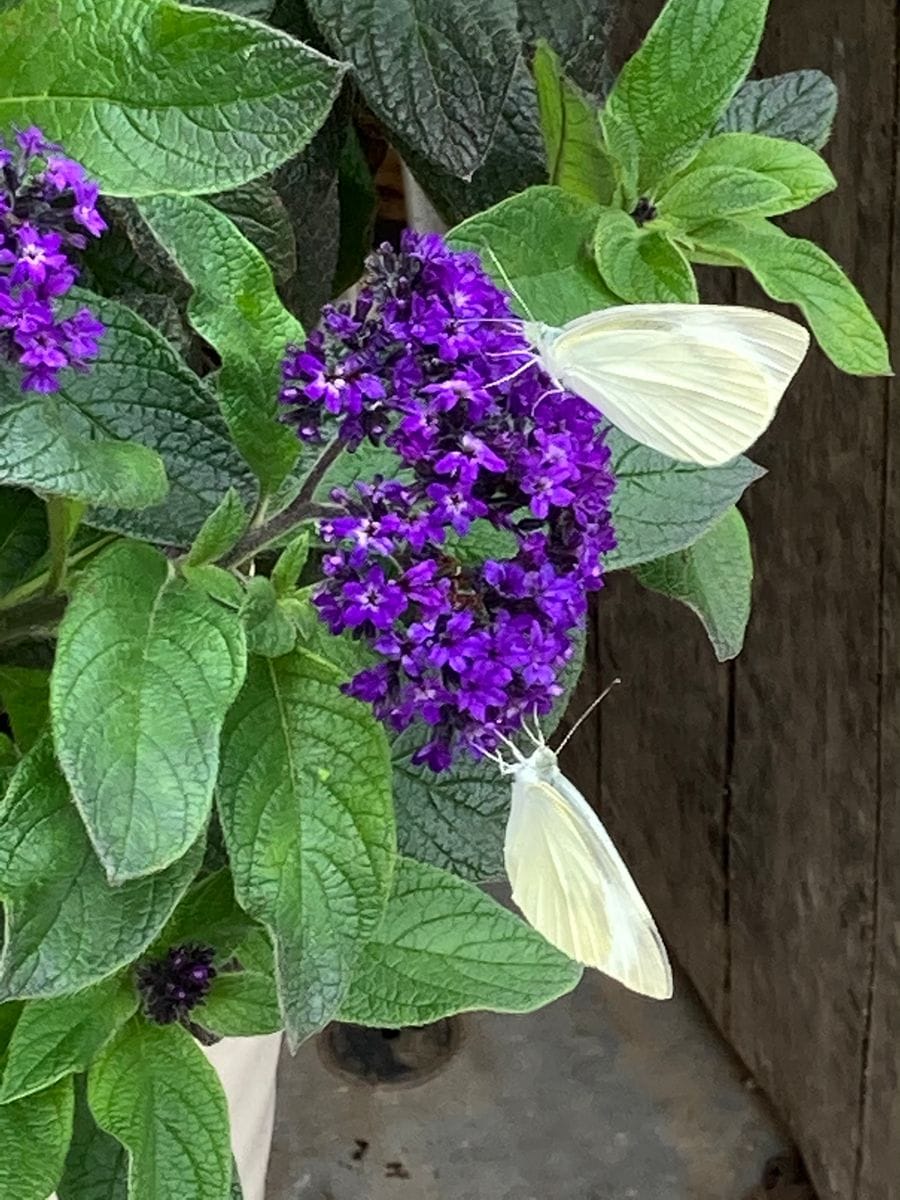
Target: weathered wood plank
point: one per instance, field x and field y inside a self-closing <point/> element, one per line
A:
<point x="879" y="1161"/>
<point x="805" y="781"/>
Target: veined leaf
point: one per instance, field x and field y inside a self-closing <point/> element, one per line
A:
<point x="641" y="265"/>
<point x="96" y="1165"/>
<point x="236" y="309"/>
<point x="576" y="159"/>
<point x="713" y="577"/>
<point x="50" y="878"/>
<point x="262" y="217"/>
<point x="219" y="531"/>
<point x="799" y="106"/>
<point x="55" y="1038"/>
<point x="799" y="272"/>
<point x="34" y="1137"/>
<point x="305" y="804"/>
<point x="436" y="73"/>
<point x="153" y="1090"/>
<point x="703" y="194"/>
<point x="661" y="506"/>
<point x="145" y="671"/>
<point x="538" y="242"/>
<point x="445" y="947"/>
<point x="135" y="83"/>
<point x="241" y="1004"/>
<point x="674" y="89"/>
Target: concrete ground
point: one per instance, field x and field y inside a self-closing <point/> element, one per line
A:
<point x="601" y="1096"/>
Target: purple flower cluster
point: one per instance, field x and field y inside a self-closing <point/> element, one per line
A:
<point x="175" y="984"/>
<point x="48" y="207"/>
<point x="430" y="361"/>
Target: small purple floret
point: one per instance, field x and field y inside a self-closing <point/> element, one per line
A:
<point x="175" y="984"/>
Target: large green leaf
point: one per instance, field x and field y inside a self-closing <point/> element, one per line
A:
<point x="34" y="1138"/>
<point x="799" y="272"/>
<point x="66" y="927"/>
<point x="25" y="697"/>
<point x="154" y="97"/>
<point x="738" y="174"/>
<point x="435" y="72"/>
<point x="305" y="805"/>
<point x="55" y="1038"/>
<point x="800" y="106"/>
<point x="143" y="391"/>
<point x="153" y="1090"/>
<point x="46" y="443"/>
<point x="445" y="947"/>
<point x="713" y="578"/>
<point x="236" y="309"/>
<point x="677" y="85"/>
<point x="570" y="121"/>
<point x="241" y="1004"/>
<point x="209" y="914"/>
<point x="660" y="506"/>
<point x="539" y="242"/>
<point x="145" y="671"/>
<point x="262" y="217"/>
<point x="23" y="535"/>
<point x="96" y="1165"/>
<point x="641" y="265"/>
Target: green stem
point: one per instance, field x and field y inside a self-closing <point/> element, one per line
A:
<point x="39" y="583"/>
<point x="59" y="524"/>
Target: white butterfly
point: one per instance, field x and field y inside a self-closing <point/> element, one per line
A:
<point x="570" y="881"/>
<point x="698" y="382"/>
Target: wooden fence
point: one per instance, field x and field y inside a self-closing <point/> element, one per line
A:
<point x="760" y="802"/>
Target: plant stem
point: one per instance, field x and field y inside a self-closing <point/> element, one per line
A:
<point x="39" y="583"/>
<point x="302" y="508"/>
<point x="59" y="527"/>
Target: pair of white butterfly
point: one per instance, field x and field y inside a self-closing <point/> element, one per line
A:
<point x="699" y="383"/>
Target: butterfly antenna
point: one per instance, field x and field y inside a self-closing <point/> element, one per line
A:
<point x="538" y="735"/>
<point x="584" y="716"/>
<point x="509" y="283"/>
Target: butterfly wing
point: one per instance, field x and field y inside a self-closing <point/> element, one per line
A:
<point x="571" y="884"/>
<point x="697" y="382"/>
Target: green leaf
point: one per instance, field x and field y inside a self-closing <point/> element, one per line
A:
<point x="153" y="1090"/>
<point x="674" y="89"/>
<point x="50" y="878"/>
<point x="34" y="1138"/>
<point x="578" y="32"/>
<point x="219" y="531"/>
<point x="209" y="914"/>
<point x="706" y="193"/>
<point x="270" y="631"/>
<point x="291" y="562"/>
<point x="23" y="535"/>
<point x="435" y="73"/>
<point x="146" y="668"/>
<point x="799" y="272"/>
<point x="640" y="265"/>
<point x="142" y="391"/>
<point x="661" y="506"/>
<point x="236" y="309"/>
<point x="25" y="695"/>
<point x="135" y="83"/>
<point x="445" y="947"/>
<point x="262" y="217"/>
<point x="261" y="9"/>
<point x="713" y="578"/>
<point x="799" y="106"/>
<point x="241" y="1004"/>
<point x="55" y="1038"/>
<point x="541" y="240"/>
<point x="747" y="174"/>
<point x="46" y="444"/>
<point x="576" y="159"/>
<point x="216" y="582"/>
<point x="96" y="1165"/>
<point x="305" y="804"/>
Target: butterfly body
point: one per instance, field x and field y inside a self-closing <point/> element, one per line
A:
<point x="698" y="382"/>
<point x="571" y="883"/>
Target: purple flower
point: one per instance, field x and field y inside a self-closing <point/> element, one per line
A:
<point x="424" y="360"/>
<point x="175" y="984"/>
<point x="46" y="206"/>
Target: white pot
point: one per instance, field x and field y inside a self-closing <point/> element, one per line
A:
<point x="247" y="1068"/>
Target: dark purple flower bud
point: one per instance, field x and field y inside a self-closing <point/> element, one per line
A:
<point x="175" y="984"/>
